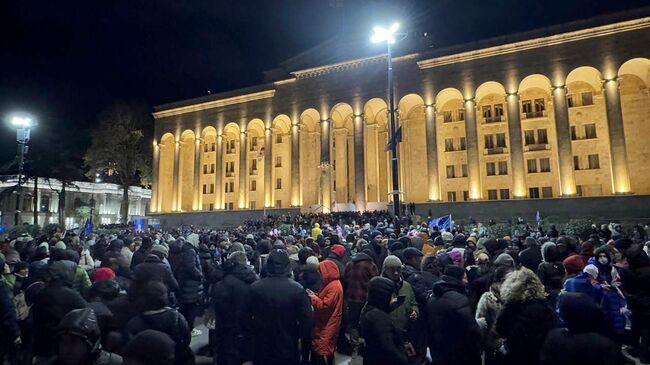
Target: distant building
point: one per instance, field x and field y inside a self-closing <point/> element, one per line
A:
<point x="107" y="198"/>
<point x="559" y="112"/>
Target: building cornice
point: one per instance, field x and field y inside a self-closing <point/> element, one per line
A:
<point x="239" y="99"/>
<point x="536" y="43"/>
<point x="346" y="65"/>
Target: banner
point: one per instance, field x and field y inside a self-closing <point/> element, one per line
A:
<point x="88" y="227"/>
<point x="443" y="223"/>
<point x="394" y="140"/>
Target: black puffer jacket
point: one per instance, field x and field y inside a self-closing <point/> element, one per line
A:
<point x="454" y="337"/>
<point x="636" y="283"/>
<point x="281" y="314"/>
<point x="231" y="299"/>
<point x="421" y="284"/>
<point x="52" y="304"/>
<point x="384" y="345"/>
<point x="170" y="322"/>
<point x="153" y="269"/>
<point x="189" y="275"/>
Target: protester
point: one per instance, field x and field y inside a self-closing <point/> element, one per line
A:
<point x="328" y="312"/>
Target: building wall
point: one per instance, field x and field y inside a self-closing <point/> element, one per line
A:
<point x="491" y="120"/>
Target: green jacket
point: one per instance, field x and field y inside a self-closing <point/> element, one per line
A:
<point x="401" y="314"/>
<point x="81" y="280"/>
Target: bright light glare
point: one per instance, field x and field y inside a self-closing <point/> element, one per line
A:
<point x="382" y="34"/>
<point x="24" y="122"/>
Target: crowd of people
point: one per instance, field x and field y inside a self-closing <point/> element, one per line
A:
<point x="300" y="289"/>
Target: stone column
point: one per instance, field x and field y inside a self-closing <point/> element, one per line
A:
<point x="176" y="202"/>
<point x="218" y="173"/>
<point x="197" y="193"/>
<point x="325" y="165"/>
<point x="620" y="173"/>
<point x="295" y="165"/>
<point x="473" y="168"/>
<point x="565" y="155"/>
<point x="432" y="152"/>
<point x="268" y="168"/>
<point x="359" y="164"/>
<point x="243" y="189"/>
<point x="516" y="146"/>
<point x="155" y="202"/>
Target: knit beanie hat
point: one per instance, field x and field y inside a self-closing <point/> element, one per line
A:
<point x="60" y="245"/>
<point x="237" y="257"/>
<point x="455" y="272"/>
<point x="236" y="246"/>
<point x="573" y="264"/>
<point x="151" y="347"/>
<point x="391" y="261"/>
<point x="312" y="260"/>
<point x="103" y="273"/>
<point x="447" y="236"/>
<point x="592" y="270"/>
<point x="160" y="249"/>
<point x="504" y="260"/>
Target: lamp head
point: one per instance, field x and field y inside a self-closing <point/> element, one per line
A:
<point x="22" y="122"/>
<point x="381" y="34"/>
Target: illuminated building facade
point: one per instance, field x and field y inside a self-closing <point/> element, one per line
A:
<point x="560" y="112"/>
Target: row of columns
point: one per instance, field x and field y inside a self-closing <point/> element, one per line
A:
<point x="620" y="174"/>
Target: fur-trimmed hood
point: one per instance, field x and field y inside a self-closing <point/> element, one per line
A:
<point x="521" y="286"/>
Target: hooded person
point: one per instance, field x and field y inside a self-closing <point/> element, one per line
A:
<point x="613" y="300"/>
<point x="281" y="316"/>
<point x="531" y="257"/>
<point x="551" y="271"/>
<point x="153" y="269"/>
<point x="454" y="336"/>
<point x="150" y="347"/>
<point x="52" y="303"/>
<point x="525" y="317"/>
<point x="189" y="274"/>
<point x="78" y="341"/>
<point x="231" y="301"/>
<point x="316" y="231"/>
<point x="157" y="315"/>
<point x="337" y="255"/>
<point x="358" y="273"/>
<point x="384" y="345"/>
<point x="488" y="308"/>
<point x="637" y="286"/>
<point x="328" y="313"/>
<point x="584" y="340"/>
<point x="142" y="252"/>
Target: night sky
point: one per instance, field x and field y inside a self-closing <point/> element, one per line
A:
<point x="64" y="61"/>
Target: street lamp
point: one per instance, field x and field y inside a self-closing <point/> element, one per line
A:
<point x="23" y="125"/>
<point x="388" y="35"/>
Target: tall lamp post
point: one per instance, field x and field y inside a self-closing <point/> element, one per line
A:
<point x="388" y="35"/>
<point x="23" y="126"/>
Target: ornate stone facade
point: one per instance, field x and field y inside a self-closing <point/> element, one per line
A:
<point x="560" y="112"/>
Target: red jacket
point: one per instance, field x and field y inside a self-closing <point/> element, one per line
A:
<point x="328" y="310"/>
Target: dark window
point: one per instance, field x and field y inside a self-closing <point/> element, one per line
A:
<point x="205" y="169"/>
<point x="253" y="143"/>
<point x="529" y="137"/>
<point x="253" y="185"/>
<point x="490" y="168"/>
<point x="590" y="131"/>
<point x="447" y="118"/>
<point x="278" y="183"/>
<point x="532" y="165"/>
<point x="544" y="165"/>
<point x="451" y="196"/>
<point x="205" y="189"/>
<point x="463" y="144"/>
<point x="569" y="101"/>
<point x="278" y="138"/>
<point x="542" y="136"/>
<point x="461" y="115"/>
<point x="501" y="140"/>
<point x="211" y="188"/>
<point x="252" y="205"/>
<point x="533" y="193"/>
<point x="464" y="170"/>
<point x="579" y="190"/>
<point x="503" y="168"/>
<point x="449" y="144"/>
<point x="489" y="141"/>
<point x="465" y="195"/>
<point x="278" y="161"/>
<point x="450" y="171"/>
<point x="587" y="98"/>
<point x="576" y="163"/>
<point x="213" y="147"/>
<point x="594" y="163"/>
<point x="547" y="192"/>
<point x="487" y="111"/>
<point x="527" y="107"/>
<point x="574" y="135"/>
<point x="539" y="105"/>
<point x="498" y="110"/>
<point x="253" y="165"/>
<point x="492" y="194"/>
<point x="504" y="194"/>
<point x="278" y="203"/>
<point x="45" y="204"/>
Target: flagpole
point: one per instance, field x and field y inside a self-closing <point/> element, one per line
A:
<point x="393" y="149"/>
